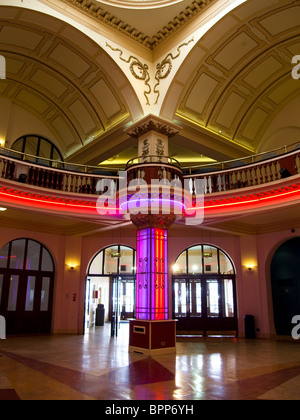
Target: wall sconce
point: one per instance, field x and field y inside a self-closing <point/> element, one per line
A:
<point x="250" y="267"/>
<point x="175" y="268"/>
<point x="2" y="142"/>
<point x="72" y="267"/>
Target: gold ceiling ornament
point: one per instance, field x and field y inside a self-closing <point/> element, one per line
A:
<point x="137" y="69"/>
<point x="164" y="68"/>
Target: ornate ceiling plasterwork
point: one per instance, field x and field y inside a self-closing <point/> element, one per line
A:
<point x="141" y="71"/>
<point x="93" y="8"/>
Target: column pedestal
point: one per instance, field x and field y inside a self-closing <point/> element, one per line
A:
<point x="152" y="337"/>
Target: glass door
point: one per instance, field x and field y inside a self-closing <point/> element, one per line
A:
<point x="116" y="306"/>
<point x="205" y="303"/>
<point x="127" y="298"/>
<point x="26" y="302"/>
<point x="213" y="298"/>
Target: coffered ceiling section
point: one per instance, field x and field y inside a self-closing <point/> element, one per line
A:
<point x="240" y="75"/>
<point x="57" y="73"/>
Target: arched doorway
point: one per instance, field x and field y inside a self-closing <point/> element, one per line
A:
<point x="285" y="281"/>
<point x="26" y="286"/>
<point x="111" y="282"/>
<point x="204" y="295"/>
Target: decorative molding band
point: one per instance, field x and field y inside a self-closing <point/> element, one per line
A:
<point x="92" y="8"/>
<point x="137" y="69"/>
<point x="141" y="71"/>
<point x="164" y="68"/>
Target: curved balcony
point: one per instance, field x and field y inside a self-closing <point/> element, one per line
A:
<point x="238" y="174"/>
<point x="54" y="175"/>
<point x="83" y="179"/>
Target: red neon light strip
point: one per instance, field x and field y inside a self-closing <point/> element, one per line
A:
<point x="51" y="203"/>
<point x="42" y="200"/>
<point x="162" y="270"/>
<point x="159" y="274"/>
<point x="240" y="202"/>
<point x="158" y="256"/>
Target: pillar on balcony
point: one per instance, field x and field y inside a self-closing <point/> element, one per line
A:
<point x="153" y="134"/>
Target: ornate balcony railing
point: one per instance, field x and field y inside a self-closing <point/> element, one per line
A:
<point x="250" y="175"/>
<point x="61" y="176"/>
<point x="82" y="179"/>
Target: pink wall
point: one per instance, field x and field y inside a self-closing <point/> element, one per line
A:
<point x="253" y="288"/>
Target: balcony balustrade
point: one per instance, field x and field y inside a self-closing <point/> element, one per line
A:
<point x="251" y="175"/>
<point x="79" y="179"/>
<point x="59" y="176"/>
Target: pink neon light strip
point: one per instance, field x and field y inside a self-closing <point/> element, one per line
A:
<point x="231" y="204"/>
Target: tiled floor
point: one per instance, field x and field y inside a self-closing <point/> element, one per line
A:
<point x="96" y="366"/>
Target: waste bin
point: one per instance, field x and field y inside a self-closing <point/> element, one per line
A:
<point x="100" y="315"/>
<point x="249" y="326"/>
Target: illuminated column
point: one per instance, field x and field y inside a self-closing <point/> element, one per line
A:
<point x="152" y="274"/>
<point x="153" y="204"/>
<point x="152" y="332"/>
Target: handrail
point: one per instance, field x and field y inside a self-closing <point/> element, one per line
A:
<point x="58" y="179"/>
<point x="243" y="176"/>
<point x="235" y="163"/>
<point x="65" y="179"/>
<point x="227" y="164"/>
<point x="244" y="166"/>
<point x="51" y="163"/>
<point x="159" y="159"/>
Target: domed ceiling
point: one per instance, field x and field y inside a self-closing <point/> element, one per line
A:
<point x="232" y="95"/>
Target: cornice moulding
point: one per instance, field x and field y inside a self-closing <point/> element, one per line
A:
<point x="94" y="10"/>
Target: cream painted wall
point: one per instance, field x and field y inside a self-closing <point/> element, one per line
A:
<point x="284" y="128"/>
<point x="16" y="122"/>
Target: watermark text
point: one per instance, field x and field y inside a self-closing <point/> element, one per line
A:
<point x="2" y="328"/>
<point x="159" y="197"/>
<point x="2" y="67"/>
<point x="296" y="329"/>
<point x="296" y="69"/>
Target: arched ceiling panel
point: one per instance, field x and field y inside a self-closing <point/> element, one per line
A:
<point x="61" y="76"/>
<point x="238" y="77"/>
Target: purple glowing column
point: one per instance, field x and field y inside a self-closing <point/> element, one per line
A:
<point x="152" y="276"/>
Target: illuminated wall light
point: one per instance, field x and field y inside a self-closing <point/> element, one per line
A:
<point x="2" y="142"/>
<point x="72" y="267"/>
<point x="3" y="208"/>
<point x="250" y="266"/>
<point x="175" y="268"/>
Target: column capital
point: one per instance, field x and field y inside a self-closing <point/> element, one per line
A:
<point x="152" y="123"/>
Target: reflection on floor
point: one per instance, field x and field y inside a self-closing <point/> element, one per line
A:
<point x="97" y="366"/>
